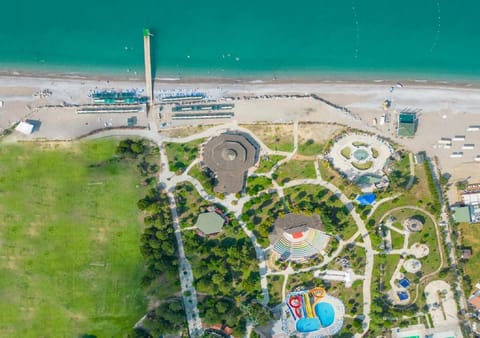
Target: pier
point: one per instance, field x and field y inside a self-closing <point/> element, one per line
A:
<point x="148" y="69"/>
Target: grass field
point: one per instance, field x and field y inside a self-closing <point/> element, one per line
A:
<point x="267" y="162"/>
<point x="397" y="240"/>
<point x="470" y="238"/>
<point x="331" y="175"/>
<point x="255" y="184"/>
<point x="275" y="283"/>
<point x="294" y="170"/>
<point x="427" y="236"/>
<point x="310" y="148"/>
<point x="362" y="166"/>
<point x="69" y="240"/>
<point x="275" y="136"/>
<point x="180" y="155"/>
<point x="189" y="203"/>
<point x="202" y="177"/>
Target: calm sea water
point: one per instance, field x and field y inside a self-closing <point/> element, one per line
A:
<point x="313" y="38"/>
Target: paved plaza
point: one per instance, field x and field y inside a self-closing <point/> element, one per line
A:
<point x="357" y="155"/>
<point x="441" y="303"/>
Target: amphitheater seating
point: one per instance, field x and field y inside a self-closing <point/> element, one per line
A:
<point x="312" y="243"/>
<point x="282" y="247"/>
<point x="318" y="239"/>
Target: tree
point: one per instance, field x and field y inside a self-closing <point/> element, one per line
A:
<point x="139" y="333"/>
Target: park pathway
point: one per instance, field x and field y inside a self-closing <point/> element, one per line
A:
<point x="189" y="293"/>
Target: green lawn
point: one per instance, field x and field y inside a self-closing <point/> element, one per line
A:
<point x="205" y="180"/>
<point x="267" y="162"/>
<point x="255" y="184"/>
<point x="189" y="203"/>
<point x="70" y="235"/>
<point x="362" y="166"/>
<point x="180" y="155"/>
<point x="426" y="236"/>
<point x="471" y="239"/>
<point x="397" y="240"/>
<point x="329" y="174"/>
<point x="293" y="170"/>
<point x="275" y="283"/>
<point x="310" y="148"/>
<point x="346" y="152"/>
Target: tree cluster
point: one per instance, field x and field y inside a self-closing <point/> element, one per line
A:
<point x="169" y="317"/>
<point x="158" y="245"/>
<point x="435" y="206"/>
<point x="131" y="148"/>
<point x="224" y="266"/>
<point x="260" y="215"/>
<point x="333" y="213"/>
<point x="222" y="311"/>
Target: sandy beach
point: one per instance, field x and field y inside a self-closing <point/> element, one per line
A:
<point x="444" y="109"/>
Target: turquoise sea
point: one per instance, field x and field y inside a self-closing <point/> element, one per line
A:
<point x="418" y="39"/>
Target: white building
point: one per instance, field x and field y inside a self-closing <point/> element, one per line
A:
<point x="471" y="198"/>
<point x="25" y="128"/>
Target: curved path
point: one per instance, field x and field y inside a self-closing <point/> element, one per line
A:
<point x="440" y="249"/>
<point x="432" y="217"/>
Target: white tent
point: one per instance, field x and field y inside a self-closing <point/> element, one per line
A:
<point x="25" y="128"/>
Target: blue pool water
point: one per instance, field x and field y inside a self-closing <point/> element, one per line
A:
<point x="326" y="313"/>
<point x="308" y="324"/>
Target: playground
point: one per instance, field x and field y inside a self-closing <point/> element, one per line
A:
<point x="315" y="313"/>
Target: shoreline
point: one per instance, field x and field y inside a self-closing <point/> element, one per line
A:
<point x="231" y="81"/>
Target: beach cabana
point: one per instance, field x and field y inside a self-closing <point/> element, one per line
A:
<point x="366" y="199"/>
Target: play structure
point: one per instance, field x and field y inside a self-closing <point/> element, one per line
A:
<point x="315" y="312"/>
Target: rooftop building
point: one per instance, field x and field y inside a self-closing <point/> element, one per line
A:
<point x="407" y="124"/>
<point x="298" y="237"/>
<point x="475" y="301"/>
<point x="229" y="156"/>
<point x="210" y="223"/>
<point x="462" y="214"/>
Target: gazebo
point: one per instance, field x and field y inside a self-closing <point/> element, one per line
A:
<point x="210" y="223"/>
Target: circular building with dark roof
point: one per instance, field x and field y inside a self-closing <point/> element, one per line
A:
<point x="229" y="156"/>
<point x="298" y="237"/>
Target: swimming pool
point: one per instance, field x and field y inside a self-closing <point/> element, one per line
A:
<point x="325" y="312"/>
<point x="368" y="179"/>
<point x="308" y="324"/>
